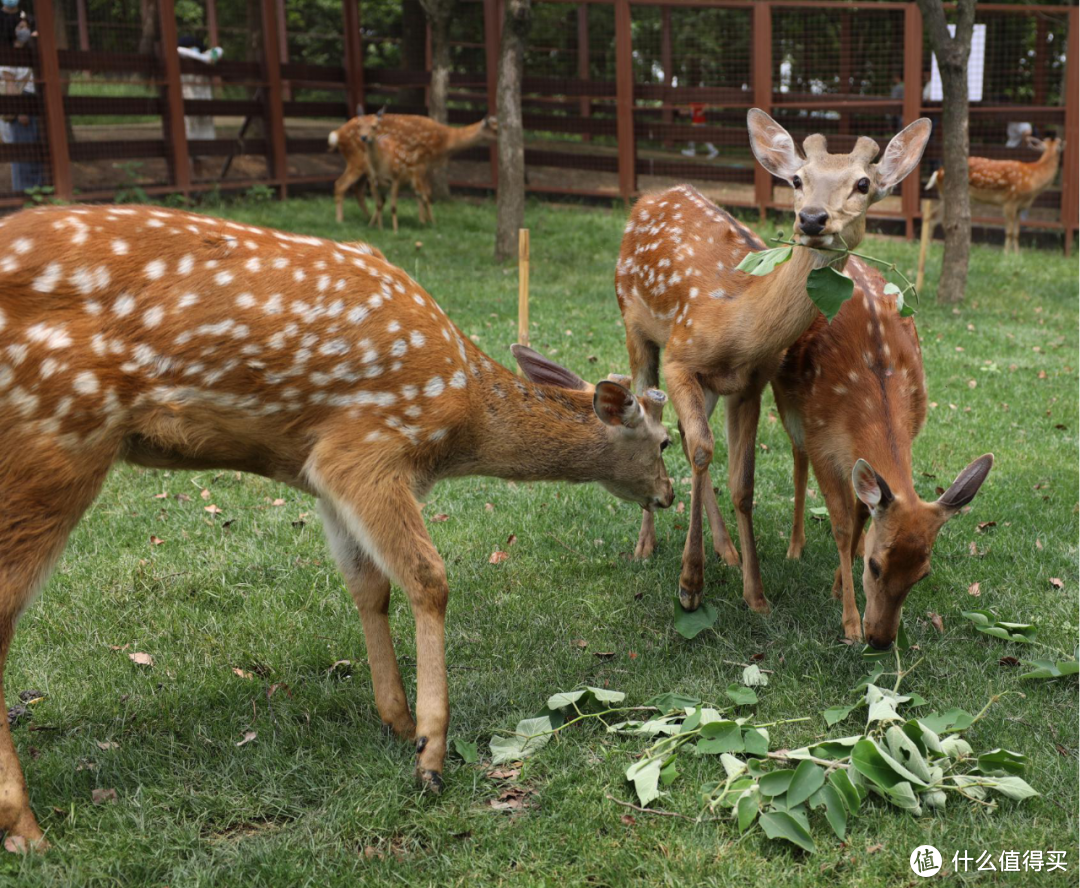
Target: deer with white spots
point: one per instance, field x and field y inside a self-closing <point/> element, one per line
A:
<point x="852" y="396"/>
<point x="1012" y="185"/>
<point x="723" y="331"/>
<point x="401" y="149"/>
<point x="173" y="340"/>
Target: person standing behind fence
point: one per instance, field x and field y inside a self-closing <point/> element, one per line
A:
<point x="22" y="129"/>
<point x="10" y="17"/>
<point x="198" y="86"/>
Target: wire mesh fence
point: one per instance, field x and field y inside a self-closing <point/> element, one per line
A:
<point x="117" y="100"/>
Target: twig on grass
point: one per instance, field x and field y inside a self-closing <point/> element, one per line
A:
<point x="658" y="812"/>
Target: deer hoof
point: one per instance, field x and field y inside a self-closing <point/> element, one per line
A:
<point x="430" y="781"/>
<point x="690" y="600"/>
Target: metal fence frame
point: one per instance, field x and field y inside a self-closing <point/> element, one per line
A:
<point x="273" y="103"/>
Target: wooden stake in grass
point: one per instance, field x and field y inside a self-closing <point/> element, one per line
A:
<point x="523" y="286"/>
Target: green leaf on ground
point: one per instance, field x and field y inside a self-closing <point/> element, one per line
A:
<point x="741" y="696"/>
<point x="467" y="751"/>
<point x="690" y="624"/>
<point x="753" y="677"/>
<point x="988" y="624"/>
<point x="1050" y="669"/>
<point x="781" y="825"/>
<point x="524" y="742"/>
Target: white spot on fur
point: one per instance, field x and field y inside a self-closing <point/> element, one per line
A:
<point x="86" y="383"/>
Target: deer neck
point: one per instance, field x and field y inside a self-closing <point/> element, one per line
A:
<point x="776" y="306"/>
<point x="1046" y="167"/>
<point x="461" y="138"/>
<point x="529" y="432"/>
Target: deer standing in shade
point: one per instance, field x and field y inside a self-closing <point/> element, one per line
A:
<point x="173" y="340"/>
<point x="852" y="397"/>
<point x="1012" y="185"/>
<point x="402" y="149"/>
<point x="724" y="332"/>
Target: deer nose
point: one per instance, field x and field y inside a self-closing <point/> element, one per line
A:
<point x="878" y="645"/>
<point x="812" y="221"/>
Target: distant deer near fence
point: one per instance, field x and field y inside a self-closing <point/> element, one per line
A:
<point x="1012" y="185"/>
<point x="401" y="149"/>
<point x="723" y="331"/>
<point x="173" y="340"/>
<point x="852" y="396"/>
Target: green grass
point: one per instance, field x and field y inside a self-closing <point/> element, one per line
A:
<point x="255" y="589"/>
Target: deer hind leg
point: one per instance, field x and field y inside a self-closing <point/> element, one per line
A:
<point x="382" y="515"/>
<point x="359" y="192"/>
<point x="370" y="589"/>
<point x="422" y="186"/>
<point x="341" y="187"/>
<point x="722" y="544"/>
<point x="394" y="187"/>
<point x="742" y="420"/>
<point x="798" y="525"/>
<point x="376" y="195"/>
<point x="37" y="517"/>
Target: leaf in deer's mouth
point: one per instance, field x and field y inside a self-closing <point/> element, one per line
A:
<point x="762" y="262"/>
<point x="828" y="290"/>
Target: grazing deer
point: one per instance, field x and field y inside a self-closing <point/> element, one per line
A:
<point x="724" y="331"/>
<point x="852" y="396"/>
<point x="1010" y="184"/>
<point x="402" y="148"/>
<point x="347" y="142"/>
<point x="173" y="340"/>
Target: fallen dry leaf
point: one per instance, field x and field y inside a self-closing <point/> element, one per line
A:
<point x="580" y="642"/>
<point x="1042" y="374"/>
<point x="1057" y="583"/>
<point x="373" y="853"/>
<point x="628" y="819"/>
<point x="276" y="686"/>
<point x="504" y="773"/>
<point x="1061" y="750"/>
<point x="974" y="589"/>
<point x="604" y="655"/>
<point x="1038" y="545"/>
<point x="515" y="798"/>
<point x="442" y="516"/>
<point x="205" y="494"/>
<point x="161" y="496"/>
<point x="278" y="502"/>
<point x="238" y="671"/>
<point x="107" y="744"/>
<point x="101" y="796"/>
<point x="498" y="556"/>
<point x="873" y="849"/>
<point x="983" y="526"/>
<point x="1008" y="661"/>
<point x="156" y="540"/>
<point x="248" y="737"/>
<point x="489" y="507"/>
<point x="510" y="540"/>
<point x="936" y="621"/>
<point x="141" y="659"/>
<point x="212" y="509"/>
<point x="680" y="508"/>
<point x="116" y="647"/>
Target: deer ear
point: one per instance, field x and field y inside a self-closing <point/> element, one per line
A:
<point x="870" y="487"/>
<point x="772" y="145"/>
<point x="616" y="405"/>
<point x="545" y="372"/>
<point x="901" y="156"/>
<point x="966" y="485"/>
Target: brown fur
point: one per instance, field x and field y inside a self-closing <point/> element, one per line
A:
<point x="170" y="339"/>
<point x="723" y="331"/>
<point x="401" y="149"/>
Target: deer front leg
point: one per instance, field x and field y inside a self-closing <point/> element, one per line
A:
<point x="394" y="186"/>
<point x="844" y="516"/>
<point x="646" y="542"/>
<point x="742" y="420"/>
<point x="381" y="513"/>
<point x="370" y="590"/>
<point x="721" y="541"/>
<point x="688" y="399"/>
<point x="798" y="524"/>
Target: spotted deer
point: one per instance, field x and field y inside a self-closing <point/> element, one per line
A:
<point x="347" y="142"/>
<point x="402" y="149"/>
<point x="1012" y="185"/>
<point x="173" y="340"/>
<point x="852" y="396"/>
<point x="724" y="332"/>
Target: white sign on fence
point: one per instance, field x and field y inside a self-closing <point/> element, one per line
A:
<point x="976" y="63"/>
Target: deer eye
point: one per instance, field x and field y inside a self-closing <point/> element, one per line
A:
<point x="796" y="182"/>
<point x="863" y="185"/>
<point x="664" y="444"/>
<point x="875" y="568"/>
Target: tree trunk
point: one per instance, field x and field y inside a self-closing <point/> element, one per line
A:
<point x="148" y="13"/>
<point x="511" y="188"/>
<point x="413" y="52"/>
<point x="438" y="13"/>
<point x="952" y="55"/>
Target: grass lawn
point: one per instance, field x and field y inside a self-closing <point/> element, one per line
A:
<point x="320" y="797"/>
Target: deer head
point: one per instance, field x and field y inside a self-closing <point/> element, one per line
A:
<point x="900" y="539"/>
<point x="834" y="191"/>
<point x="489" y="129"/>
<point x="630" y="457"/>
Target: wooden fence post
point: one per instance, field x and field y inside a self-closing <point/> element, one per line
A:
<point x="492" y="29"/>
<point x="585" y="102"/>
<point x="354" y="56"/>
<point x="49" y="87"/>
<point x="523" y="286"/>
<point x="273" y="99"/>
<point x="667" y="115"/>
<point x="1069" y="198"/>
<point x="913" y="53"/>
<point x="175" y="134"/>
<point x="624" y="100"/>
<point x="762" y="56"/>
